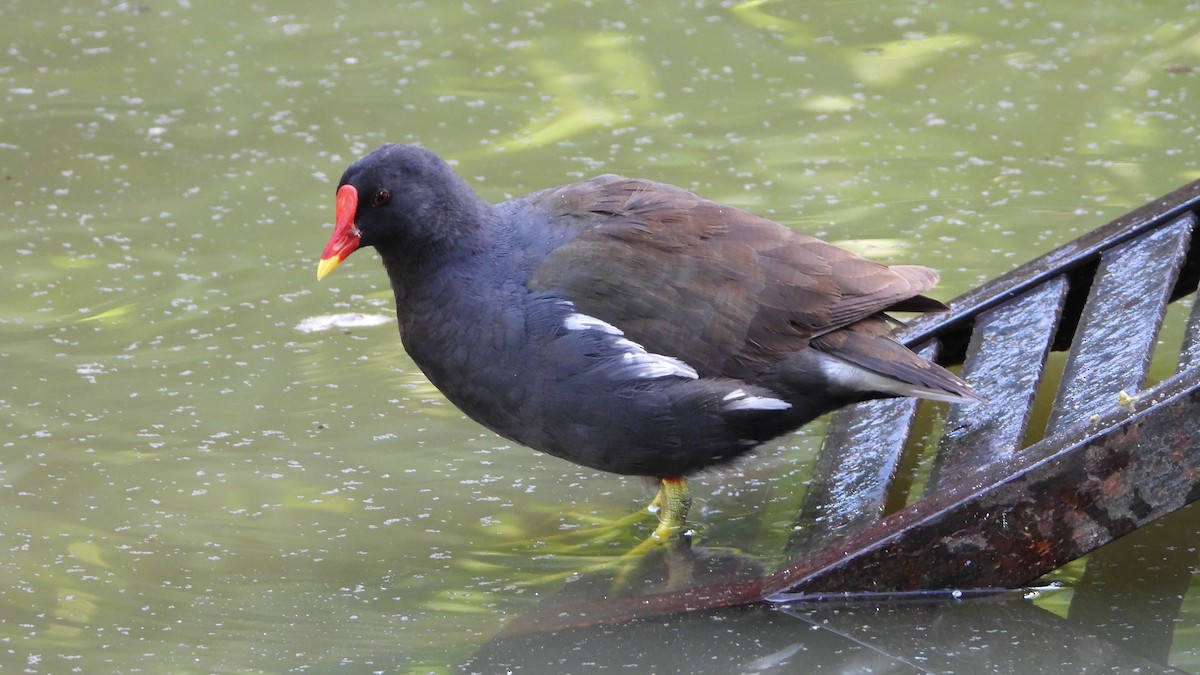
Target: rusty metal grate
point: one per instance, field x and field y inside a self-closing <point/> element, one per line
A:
<point x="995" y="511"/>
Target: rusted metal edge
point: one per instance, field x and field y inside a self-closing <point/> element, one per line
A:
<point x="1122" y="471"/>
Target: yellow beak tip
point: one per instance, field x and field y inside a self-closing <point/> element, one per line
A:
<point x="326" y="266"/>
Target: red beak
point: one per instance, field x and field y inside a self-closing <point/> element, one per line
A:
<point x="345" y="237"/>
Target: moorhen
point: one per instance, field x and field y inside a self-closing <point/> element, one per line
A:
<point x="626" y="325"/>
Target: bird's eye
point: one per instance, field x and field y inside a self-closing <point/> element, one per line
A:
<point x="381" y="198"/>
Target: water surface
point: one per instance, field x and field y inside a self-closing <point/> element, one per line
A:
<point x="189" y="481"/>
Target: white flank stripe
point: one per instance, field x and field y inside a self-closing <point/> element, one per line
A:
<point x="577" y="321"/>
<point x="756" y="403"/>
<point x="642" y="364"/>
<point x="652" y="366"/>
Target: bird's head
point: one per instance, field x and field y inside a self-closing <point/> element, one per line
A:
<point x="399" y="198"/>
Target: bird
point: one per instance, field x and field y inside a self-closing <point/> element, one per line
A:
<point x="627" y="325"/>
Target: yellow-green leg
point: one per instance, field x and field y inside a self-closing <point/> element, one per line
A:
<point x="671" y="504"/>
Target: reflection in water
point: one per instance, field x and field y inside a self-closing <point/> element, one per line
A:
<point x="1103" y="623"/>
<point x="1003" y="635"/>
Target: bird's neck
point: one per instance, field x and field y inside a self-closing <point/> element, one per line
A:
<point x="435" y="281"/>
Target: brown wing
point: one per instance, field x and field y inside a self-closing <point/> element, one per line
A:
<point x="728" y="292"/>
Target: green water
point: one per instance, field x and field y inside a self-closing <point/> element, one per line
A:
<point x="189" y="483"/>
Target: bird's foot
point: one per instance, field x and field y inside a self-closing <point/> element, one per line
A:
<point x="587" y="548"/>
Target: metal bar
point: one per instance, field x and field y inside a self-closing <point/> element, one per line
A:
<point x="1005" y="359"/>
<point x="1189" y="355"/>
<point x="1120" y="324"/>
<point x="854" y="470"/>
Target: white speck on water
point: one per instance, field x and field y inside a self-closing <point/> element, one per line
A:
<point x="89" y="371"/>
<point x="314" y="324"/>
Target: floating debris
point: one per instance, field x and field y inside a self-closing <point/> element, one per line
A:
<point x="314" y="324"/>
